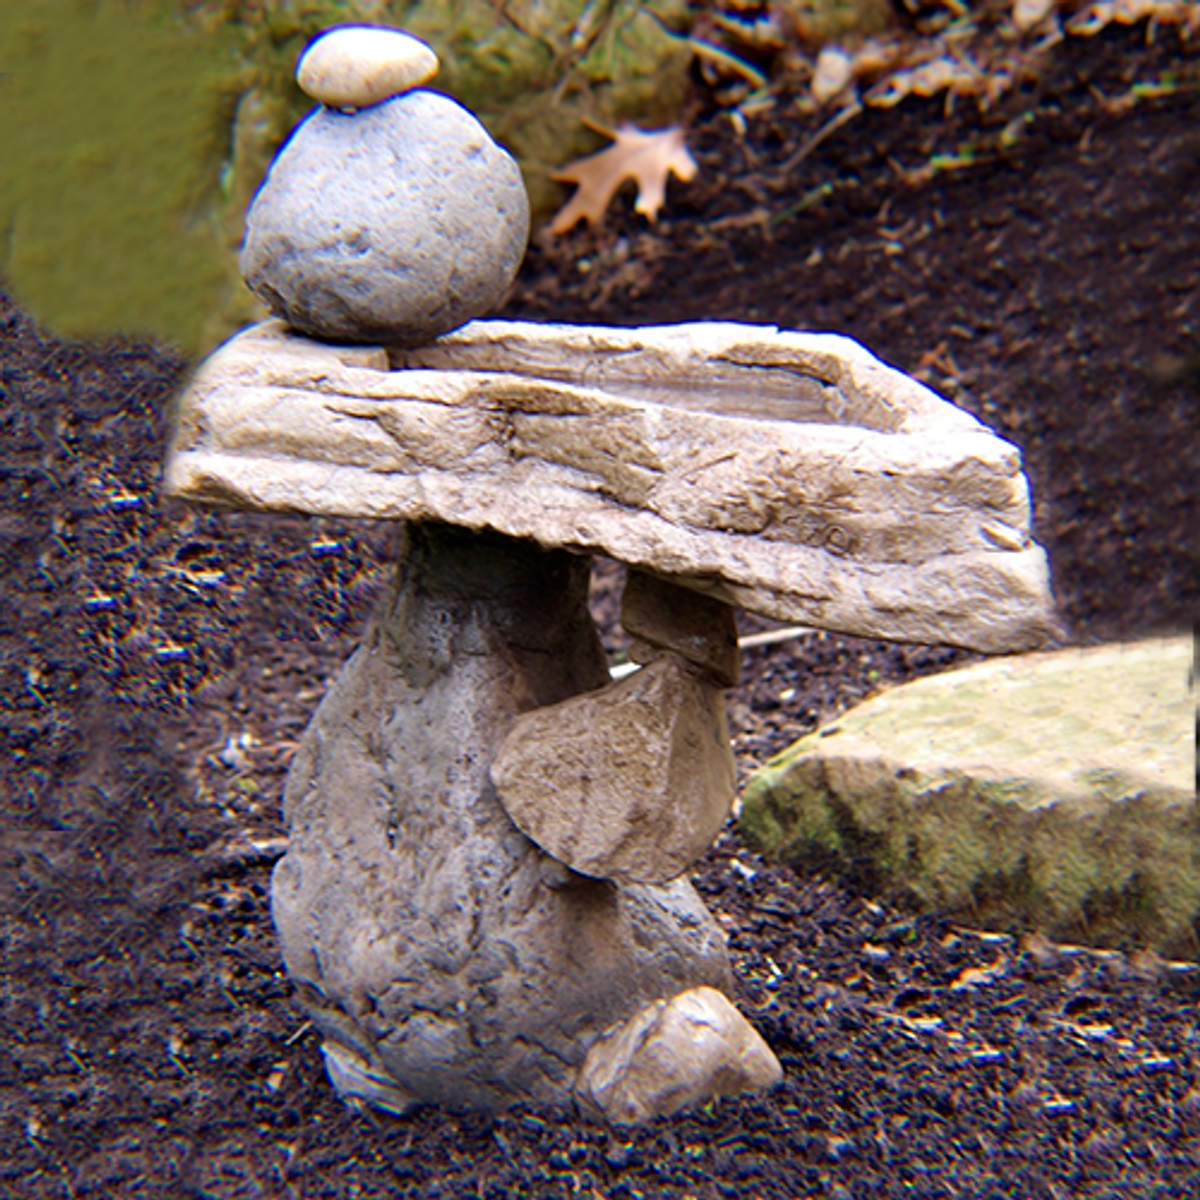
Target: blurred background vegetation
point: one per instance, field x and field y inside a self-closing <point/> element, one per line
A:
<point x="133" y="133"/>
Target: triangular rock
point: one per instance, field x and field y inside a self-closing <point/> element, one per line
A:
<point x="632" y="781"/>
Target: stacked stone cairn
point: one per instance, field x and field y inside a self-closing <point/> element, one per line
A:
<point x="389" y="216"/>
<point x="484" y="900"/>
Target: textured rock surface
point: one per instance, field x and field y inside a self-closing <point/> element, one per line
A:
<point x="673" y="1054"/>
<point x="632" y="781"/>
<point x="354" y="66"/>
<point x="432" y="943"/>
<point x="393" y="224"/>
<point x="665" y="617"/>
<point x="791" y="474"/>
<point x="1055" y="791"/>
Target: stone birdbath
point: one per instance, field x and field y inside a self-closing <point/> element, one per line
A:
<point x="485" y="897"/>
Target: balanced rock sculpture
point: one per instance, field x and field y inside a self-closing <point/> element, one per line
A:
<point x="484" y="899"/>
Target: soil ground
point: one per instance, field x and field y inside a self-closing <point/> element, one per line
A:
<point x="159" y="663"/>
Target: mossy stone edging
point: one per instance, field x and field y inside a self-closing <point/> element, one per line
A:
<point x="1051" y="792"/>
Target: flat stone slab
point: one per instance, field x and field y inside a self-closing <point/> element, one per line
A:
<point x="1053" y="791"/>
<point x="792" y="474"/>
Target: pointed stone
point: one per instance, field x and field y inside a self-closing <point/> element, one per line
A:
<point x="674" y="1054"/>
<point x="362" y="1083"/>
<point x="632" y="781"/>
<point x="699" y="628"/>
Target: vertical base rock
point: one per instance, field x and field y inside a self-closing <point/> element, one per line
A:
<point x="431" y="941"/>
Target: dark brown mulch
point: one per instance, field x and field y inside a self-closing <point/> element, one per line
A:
<point x="157" y="665"/>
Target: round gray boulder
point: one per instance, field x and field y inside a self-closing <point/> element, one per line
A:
<point x="392" y="225"/>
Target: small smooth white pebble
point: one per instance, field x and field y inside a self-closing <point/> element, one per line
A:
<point x="355" y="66"/>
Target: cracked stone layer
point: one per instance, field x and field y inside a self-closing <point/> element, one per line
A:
<point x="791" y="474"/>
<point x="444" y="956"/>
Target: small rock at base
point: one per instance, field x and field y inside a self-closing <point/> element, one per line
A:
<point x="674" y="1054"/>
<point x="354" y="66"/>
<point x="391" y="226"/>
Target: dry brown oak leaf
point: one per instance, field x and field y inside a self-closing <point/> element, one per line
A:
<point x="647" y="157"/>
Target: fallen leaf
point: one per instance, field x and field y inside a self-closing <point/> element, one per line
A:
<point x="647" y="157"/>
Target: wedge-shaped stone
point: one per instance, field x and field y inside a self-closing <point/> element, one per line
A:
<point x="630" y="782"/>
<point x="360" y="1082"/>
<point x="674" y="1054"/>
<point x="1053" y="791"/>
<point x="665" y="617"/>
<point x="788" y="473"/>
